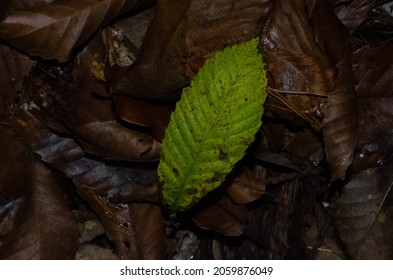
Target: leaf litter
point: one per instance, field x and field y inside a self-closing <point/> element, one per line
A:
<point x="329" y="104"/>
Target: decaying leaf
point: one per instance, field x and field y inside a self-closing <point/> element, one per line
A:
<point x="193" y="28"/>
<point x="155" y="116"/>
<point x="223" y="216"/>
<point x="79" y="104"/>
<point x="373" y="71"/>
<point x="340" y="123"/>
<point x="296" y="63"/>
<point x="52" y="30"/>
<point x="42" y="225"/>
<point x="353" y="14"/>
<point x="213" y="124"/>
<point x="149" y="226"/>
<point x="363" y="214"/>
<point x="99" y="184"/>
<point x="245" y="188"/>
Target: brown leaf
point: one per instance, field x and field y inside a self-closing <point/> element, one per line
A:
<point x="112" y="140"/>
<point x="363" y="214"/>
<point x="354" y="13"/>
<point x="46" y="228"/>
<point x="102" y="186"/>
<point x="13" y="68"/>
<point x="53" y="30"/>
<point x="124" y="38"/>
<point x="245" y="188"/>
<point x="320" y="52"/>
<point x="64" y="154"/>
<point x="340" y="123"/>
<point x="153" y="115"/>
<point x="41" y="225"/>
<point x="79" y="103"/>
<point x="223" y="216"/>
<point x="148" y="224"/>
<point x="295" y="62"/>
<point x="180" y="32"/>
<point x="373" y="71"/>
<point x="26" y="4"/>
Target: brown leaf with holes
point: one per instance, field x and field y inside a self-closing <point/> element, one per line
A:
<point x="182" y="31"/>
<point x="40" y="223"/>
<point x="53" y="30"/>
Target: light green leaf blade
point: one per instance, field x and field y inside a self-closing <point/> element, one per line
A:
<point x="213" y="124"/>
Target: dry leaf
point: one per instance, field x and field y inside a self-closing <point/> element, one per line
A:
<point x="354" y="13"/>
<point x="149" y="227"/>
<point x="340" y="122"/>
<point x="296" y="63"/>
<point x="193" y="28"/>
<point x="42" y="225"/>
<point x="363" y="214"/>
<point x="99" y="184"/>
<point x="53" y="30"/>
<point x="223" y="216"/>
<point x="140" y="112"/>
<point x="373" y="71"/>
<point x="245" y="188"/>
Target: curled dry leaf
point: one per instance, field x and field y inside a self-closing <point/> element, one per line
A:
<point x="193" y="29"/>
<point x="52" y="30"/>
<point x="41" y="225"/>
<point x="363" y="214"/>
<point x="113" y="140"/>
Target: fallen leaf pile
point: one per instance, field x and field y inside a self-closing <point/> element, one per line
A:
<point x="87" y="89"/>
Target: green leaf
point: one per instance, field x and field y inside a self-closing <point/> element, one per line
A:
<point x="213" y="124"/>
